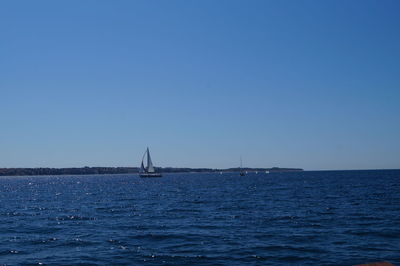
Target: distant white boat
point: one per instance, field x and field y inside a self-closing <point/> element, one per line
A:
<point x="149" y="170"/>
<point x="267" y="172"/>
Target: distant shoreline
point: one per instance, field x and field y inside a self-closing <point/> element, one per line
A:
<point x="126" y="170"/>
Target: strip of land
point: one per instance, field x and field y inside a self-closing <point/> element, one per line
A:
<point x="126" y="170"/>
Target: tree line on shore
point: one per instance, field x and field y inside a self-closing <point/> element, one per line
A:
<point x="123" y="170"/>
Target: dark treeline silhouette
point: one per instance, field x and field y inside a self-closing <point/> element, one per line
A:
<point x="124" y="170"/>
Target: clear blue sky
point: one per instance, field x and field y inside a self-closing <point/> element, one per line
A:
<point x="312" y="84"/>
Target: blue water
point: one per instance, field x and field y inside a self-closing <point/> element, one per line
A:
<point x="305" y="218"/>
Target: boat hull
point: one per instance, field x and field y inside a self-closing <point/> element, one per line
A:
<point x="150" y="175"/>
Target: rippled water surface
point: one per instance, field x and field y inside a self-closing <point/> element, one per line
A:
<point x="305" y="218"/>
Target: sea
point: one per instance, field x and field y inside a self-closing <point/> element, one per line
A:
<point x="287" y="218"/>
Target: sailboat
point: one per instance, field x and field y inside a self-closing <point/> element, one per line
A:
<point x="149" y="170"/>
<point x="241" y="171"/>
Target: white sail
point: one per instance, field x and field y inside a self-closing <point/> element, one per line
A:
<point x="150" y="167"/>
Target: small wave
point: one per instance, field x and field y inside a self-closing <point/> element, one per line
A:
<point x="293" y="259"/>
<point x="383" y="234"/>
<point x="77" y="242"/>
<point x="183" y="210"/>
<point x="12" y="252"/>
<point x="42" y="241"/>
<point x="72" y="217"/>
<point x="283" y="218"/>
<point x="290" y="248"/>
<point x="160" y="237"/>
<point x="208" y="227"/>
